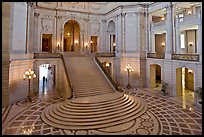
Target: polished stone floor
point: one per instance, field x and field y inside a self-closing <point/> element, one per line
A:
<point x="164" y="116"/>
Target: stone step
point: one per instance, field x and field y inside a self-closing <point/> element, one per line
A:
<point x="100" y="122"/>
<point x="104" y="102"/>
<point x="94" y="110"/>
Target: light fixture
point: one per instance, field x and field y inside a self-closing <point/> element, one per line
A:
<point x="58" y="46"/>
<point x="163" y="44"/>
<point x="68" y="34"/>
<point x="29" y="74"/>
<point x="27" y="130"/>
<point x="162" y="18"/>
<point x="189" y="12"/>
<point x="129" y="69"/>
<point x="76" y="41"/>
<point x="190" y="44"/>
<point x="86" y="44"/>
<point x="190" y="71"/>
<point x="114" y="44"/>
<point x="107" y="64"/>
<point x="91" y="42"/>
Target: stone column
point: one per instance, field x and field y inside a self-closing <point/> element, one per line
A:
<point x="103" y="36"/>
<point x="111" y="43"/>
<point x="199" y="45"/>
<point x="150" y="34"/>
<point x="178" y="45"/>
<point x="81" y="42"/>
<point x="169" y="37"/>
<point x="152" y="42"/>
<point x="36" y="42"/>
<point x="174" y="28"/>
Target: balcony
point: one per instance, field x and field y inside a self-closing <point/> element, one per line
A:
<point x="185" y="57"/>
<point x="159" y="25"/>
<point x="192" y="19"/>
<point x="155" y="55"/>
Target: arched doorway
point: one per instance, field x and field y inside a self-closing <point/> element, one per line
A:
<point x="185" y="85"/>
<point x="72" y="36"/>
<point x="155" y="76"/>
<point x="46" y="78"/>
<point x="111" y="33"/>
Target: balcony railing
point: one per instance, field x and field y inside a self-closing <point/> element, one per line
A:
<point x="186" y="57"/>
<point x="189" y="17"/>
<point x="161" y="23"/>
<point x="109" y="54"/>
<point x="108" y="75"/>
<point x="155" y="55"/>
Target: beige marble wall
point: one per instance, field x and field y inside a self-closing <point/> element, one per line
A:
<point x="5" y="52"/>
<point x="18" y="87"/>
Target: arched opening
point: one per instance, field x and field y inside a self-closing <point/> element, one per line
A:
<point x="72" y="36"/>
<point x="111" y="33"/>
<point x="46" y="78"/>
<point x="185" y="85"/>
<point x="155" y="76"/>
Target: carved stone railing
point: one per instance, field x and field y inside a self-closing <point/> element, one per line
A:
<point x="186" y="57"/>
<point x="47" y="55"/>
<point x="109" y="54"/>
<point x="161" y="23"/>
<point x="55" y="55"/>
<point x="108" y="75"/>
<point x="155" y="55"/>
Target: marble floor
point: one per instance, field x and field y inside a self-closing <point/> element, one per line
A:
<point x="164" y="116"/>
<point x="97" y="109"/>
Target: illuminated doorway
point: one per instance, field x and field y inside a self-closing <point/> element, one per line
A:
<point x="72" y="36"/>
<point x="185" y="85"/>
<point x="46" y="78"/>
<point x="155" y="76"/>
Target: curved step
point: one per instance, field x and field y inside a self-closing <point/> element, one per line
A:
<point x="67" y="121"/>
<point x="94" y="106"/>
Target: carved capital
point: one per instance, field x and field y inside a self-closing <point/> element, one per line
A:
<point x="36" y="14"/>
<point x="104" y="21"/>
<point x="169" y="6"/>
<point x="31" y="4"/>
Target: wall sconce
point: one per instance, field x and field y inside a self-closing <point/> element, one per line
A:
<point x="86" y="44"/>
<point x="163" y="44"/>
<point x="107" y="64"/>
<point x="91" y="42"/>
<point x="68" y="34"/>
<point x="189" y="12"/>
<point x="162" y="18"/>
<point x="190" y="71"/>
<point x="76" y="41"/>
<point x="58" y="46"/>
<point x="114" y="44"/>
<point x="190" y="44"/>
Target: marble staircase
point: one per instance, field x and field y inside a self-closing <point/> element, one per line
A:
<point x="95" y="103"/>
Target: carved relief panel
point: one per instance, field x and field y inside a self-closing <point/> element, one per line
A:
<point x="95" y="28"/>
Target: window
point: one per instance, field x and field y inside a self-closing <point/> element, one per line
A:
<point x="180" y="17"/>
<point x="182" y="41"/>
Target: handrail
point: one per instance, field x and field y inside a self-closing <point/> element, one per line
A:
<point x="113" y="82"/>
<point x="186" y="57"/>
<point x="56" y="55"/>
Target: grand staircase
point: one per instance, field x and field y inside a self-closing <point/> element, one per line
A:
<point x="95" y="103"/>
